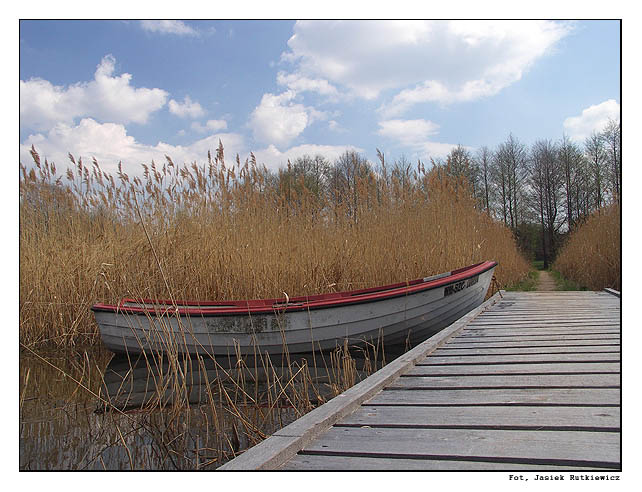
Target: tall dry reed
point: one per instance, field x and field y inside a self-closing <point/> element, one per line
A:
<point x="592" y="254"/>
<point x="220" y="231"/>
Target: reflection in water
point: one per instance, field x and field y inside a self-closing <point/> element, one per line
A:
<point x="158" y="381"/>
<point x="153" y="413"/>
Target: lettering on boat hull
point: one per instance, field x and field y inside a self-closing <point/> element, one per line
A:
<point x="459" y="286"/>
<point x="237" y="324"/>
<point x="247" y="324"/>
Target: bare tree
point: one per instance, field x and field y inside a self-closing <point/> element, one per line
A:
<point x="483" y="162"/>
<point x="460" y="163"/>
<point x="611" y="137"/>
<point x="546" y="184"/>
<point x="596" y="156"/>
<point x="509" y="173"/>
<point x="402" y="173"/>
<point x="349" y="172"/>
<point x="570" y="158"/>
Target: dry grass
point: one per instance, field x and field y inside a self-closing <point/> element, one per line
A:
<point x="229" y="232"/>
<point x="592" y="254"/>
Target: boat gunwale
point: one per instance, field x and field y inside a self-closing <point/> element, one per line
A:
<point x="295" y="304"/>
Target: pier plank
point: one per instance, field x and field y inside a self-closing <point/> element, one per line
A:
<point x="503" y="359"/>
<point x="504" y="369"/>
<point x="547" y="349"/>
<point x="510" y="396"/>
<point x="533" y="417"/>
<point x="575" y="448"/>
<point x="358" y="463"/>
<point x="509" y="381"/>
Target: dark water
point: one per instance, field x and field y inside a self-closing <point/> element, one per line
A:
<point x="90" y="410"/>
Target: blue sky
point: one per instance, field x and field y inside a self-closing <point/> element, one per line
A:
<point x="133" y="91"/>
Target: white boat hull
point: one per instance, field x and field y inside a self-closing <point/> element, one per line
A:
<point x="394" y="321"/>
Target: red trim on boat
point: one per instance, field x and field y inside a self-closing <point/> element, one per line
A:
<point x="269" y="306"/>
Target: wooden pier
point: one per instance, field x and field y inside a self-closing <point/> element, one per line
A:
<point x="527" y="381"/>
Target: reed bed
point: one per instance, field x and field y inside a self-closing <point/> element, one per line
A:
<point x="220" y="231"/>
<point x="592" y="254"/>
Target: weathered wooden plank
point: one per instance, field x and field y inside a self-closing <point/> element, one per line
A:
<point x="529" y="333"/>
<point x="489" y="338"/>
<point x="563" y="349"/>
<point x="550" y="310"/>
<point x="530" y="358"/>
<point x="357" y="463"/>
<point x="555" y="448"/>
<point x="558" y="322"/>
<point x="602" y="418"/>
<point x="599" y="310"/>
<point x="541" y="396"/>
<point x="535" y="340"/>
<point x="508" y="381"/>
<point x="513" y="343"/>
<point x="559" y="368"/>
<point x="534" y="330"/>
<point x="545" y="323"/>
<point x="536" y="302"/>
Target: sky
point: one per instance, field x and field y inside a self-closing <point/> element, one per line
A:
<point x="134" y="91"/>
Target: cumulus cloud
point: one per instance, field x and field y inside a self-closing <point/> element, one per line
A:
<point x="210" y="126"/>
<point x="415" y="135"/>
<point x="109" y="143"/>
<point x="108" y="97"/>
<point x="186" y="109"/>
<point x="168" y="27"/>
<point x="278" y="119"/>
<point x="408" y="132"/>
<point x="299" y="83"/>
<point x="593" y="119"/>
<point x="437" y="61"/>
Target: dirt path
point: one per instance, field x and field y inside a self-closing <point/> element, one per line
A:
<point x="546" y="281"/>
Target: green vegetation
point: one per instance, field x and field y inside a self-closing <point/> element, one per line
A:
<point x="529" y="283"/>
<point x="538" y="264"/>
<point x="564" y="283"/>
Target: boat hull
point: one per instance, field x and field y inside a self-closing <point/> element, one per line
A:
<point x="393" y="321"/>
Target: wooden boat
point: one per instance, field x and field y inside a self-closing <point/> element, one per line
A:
<point x="396" y="314"/>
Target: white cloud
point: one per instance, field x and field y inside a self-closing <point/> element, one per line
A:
<point x="441" y="61"/>
<point x="593" y="119"/>
<point x="210" y="126"/>
<point x="336" y="127"/>
<point x="109" y="143"/>
<point x="408" y="132"/>
<point x="186" y="109"/>
<point x="107" y="98"/>
<point x="298" y="83"/>
<point x="278" y="120"/>
<point x="415" y="134"/>
<point x="168" y="27"/>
